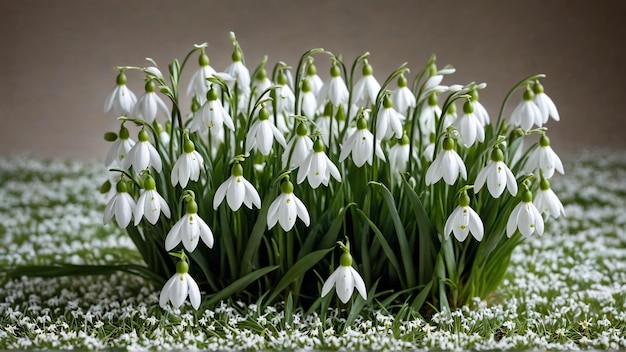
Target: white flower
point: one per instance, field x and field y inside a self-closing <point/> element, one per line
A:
<point x="546" y="200"/>
<point x="403" y="98"/>
<point x="433" y="86"/>
<point x="119" y="149"/>
<point x="179" y="286"/>
<point x="237" y="191"/>
<point x="149" y="104"/>
<point x="345" y="278"/>
<point x="497" y="175"/>
<point x="399" y="156"/>
<point x="286" y="208"/>
<point x="464" y="220"/>
<point x="428" y="116"/>
<point x="527" y="114"/>
<point x="479" y="110"/>
<point x="334" y="90"/>
<point x="212" y="116"/>
<point x="121" y="206"/>
<point x="361" y="144"/>
<point x="317" y="167"/>
<point x="143" y="155"/>
<point x="189" y="229"/>
<point x="308" y="100"/>
<point x="448" y="164"/>
<point x="544" y="158"/>
<point x="188" y="165"/>
<point x="121" y="100"/>
<point x="469" y="127"/>
<point x="298" y="148"/>
<point x="525" y="217"/>
<point x="313" y="78"/>
<point x="388" y="121"/>
<point x="284" y="96"/>
<point x="199" y="85"/>
<point x="239" y="72"/>
<point x="262" y="133"/>
<point x="150" y="204"/>
<point x="328" y="125"/>
<point x="367" y="87"/>
<point x="544" y="103"/>
<point x="261" y="83"/>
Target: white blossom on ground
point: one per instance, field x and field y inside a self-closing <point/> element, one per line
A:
<point x="345" y="279"/>
<point x="179" y="286"/>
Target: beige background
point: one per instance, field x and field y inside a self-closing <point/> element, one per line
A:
<point x="58" y="56"/>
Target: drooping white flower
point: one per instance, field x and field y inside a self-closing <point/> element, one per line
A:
<point x="211" y="116"/>
<point x="143" y="155"/>
<point x="261" y="83"/>
<point x="286" y="208"/>
<point x="308" y="100"/>
<point x="198" y="84"/>
<point x="429" y="115"/>
<point x="239" y="72"/>
<point x="237" y="191"/>
<point x="464" y="220"/>
<point x="121" y="100"/>
<point x="313" y="78"/>
<point x="150" y="204"/>
<point x="333" y="90"/>
<point x="403" y="97"/>
<point x="544" y="103"/>
<point x="119" y="149"/>
<point x="317" y="167"/>
<point x="547" y="201"/>
<point x="345" y="278"/>
<point x="544" y="158"/>
<point x="399" y="156"/>
<point x="149" y="104"/>
<point x="120" y="206"/>
<point x="361" y="145"/>
<point x="433" y="83"/>
<point x="448" y="164"/>
<point x="298" y="148"/>
<point x="262" y="134"/>
<point x="188" y="165"/>
<point x="285" y="99"/>
<point x="479" y="110"/>
<point x="189" y="230"/>
<point x="469" y="127"/>
<point x="179" y="286"/>
<point x="497" y="176"/>
<point x="388" y="121"/>
<point x="366" y="88"/>
<point x="525" y="217"/>
<point x="328" y="124"/>
<point x="526" y="113"/>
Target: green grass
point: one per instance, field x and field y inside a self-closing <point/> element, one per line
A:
<point x="564" y="290"/>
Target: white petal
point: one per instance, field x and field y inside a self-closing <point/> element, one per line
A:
<point x="251" y="193"/>
<point x="511" y="224"/>
<point x="345" y="283"/>
<point x="179" y="291"/>
<point x="330" y="282"/>
<point x="165" y="291"/>
<point x="194" y="291"/>
<point x="358" y="283"/>
<point x="220" y="193"/>
<point x="272" y="213"/>
<point x="174" y="236"/>
<point x="303" y="213"/>
<point x="476" y="225"/>
<point x="205" y="232"/>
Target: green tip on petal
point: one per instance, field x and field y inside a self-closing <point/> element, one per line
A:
<point x="361" y="124"/>
<point x="528" y="94"/>
<point x="527" y="196"/>
<point x="191" y="207"/>
<point x="302" y="130"/>
<point x="497" y="155"/>
<point x="149" y="184"/>
<point x="237" y="170"/>
<point x="121" y="79"/>
<point x="203" y="60"/>
<point x="110" y="136"/>
<point x="121" y="187"/>
<point x="124" y="134"/>
<point x="182" y="267"/>
<point x="544" y="141"/>
<point x="335" y="71"/>
<point x="318" y="146"/>
<point x="150" y="87"/>
<point x="433" y="100"/>
<point x="468" y="107"/>
<point x="464" y="200"/>
<point x="143" y="135"/>
<point x="264" y="114"/>
<point x="345" y="259"/>
<point x="448" y="143"/>
<point x="402" y="82"/>
<point x="286" y="187"/>
<point x="328" y="109"/>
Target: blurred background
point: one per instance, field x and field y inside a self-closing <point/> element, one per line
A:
<point x="58" y="56"/>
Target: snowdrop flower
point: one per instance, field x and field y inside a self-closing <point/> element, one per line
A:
<point x="345" y="278"/>
<point x="212" y="116"/>
<point x="361" y="144"/>
<point x="120" y="206"/>
<point x="544" y="159"/>
<point x="120" y="148"/>
<point x="334" y="90"/>
<point x="237" y="191"/>
<point x="286" y="208"/>
<point x="239" y="72"/>
<point x="188" y="165"/>
<point x="262" y="133"/>
<point x="189" y="229"/>
<point x="525" y="217"/>
<point x="469" y="127"/>
<point x="544" y="103"/>
<point x="308" y="100"/>
<point x="479" y="110"/>
<point x="433" y="84"/>
<point x="317" y="167"/>
<point x="313" y="78"/>
<point x="399" y="156"/>
<point x="298" y="148"/>
<point x="429" y="150"/>
<point x="328" y="124"/>
<point x="149" y="104"/>
<point x="546" y="200"/>
<point x="403" y="98"/>
<point x="388" y="121"/>
<point x="121" y="100"/>
<point x="199" y="85"/>
<point x="429" y="115"/>
<point x="367" y="87"/>
<point x="497" y="176"/>
<point x="179" y="286"/>
<point x="448" y="164"/>
<point x="283" y="95"/>
<point x="143" y="155"/>
<point x="464" y="220"/>
<point x="527" y="114"/>
<point x="163" y="135"/>
<point x="150" y="203"/>
<point x="261" y="83"/>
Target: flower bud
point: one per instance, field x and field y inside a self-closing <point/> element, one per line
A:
<point x="468" y="107"/>
<point x="110" y="136"/>
<point x="106" y="187"/>
<point x="345" y="259"/>
<point x="121" y="79"/>
<point x="203" y="59"/>
<point x="182" y="267"/>
<point x="286" y="187"/>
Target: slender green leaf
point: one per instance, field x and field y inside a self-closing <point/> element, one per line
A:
<point x="254" y="241"/>
<point x="240" y="284"/>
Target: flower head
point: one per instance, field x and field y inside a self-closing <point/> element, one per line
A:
<point x="179" y="286"/>
<point x="403" y="98"/>
<point x="119" y="149"/>
<point x="547" y="201"/>
<point x="189" y="229"/>
<point x="188" y="165"/>
<point x="286" y="208"/>
<point x="544" y="103"/>
<point x="143" y="155"/>
<point x="317" y="167"/>
<point x="150" y="203"/>
<point x="525" y="217"/>
<point x="345" y="279"/>
<point x="334" y="90"/>
<point x="399" y="156"/>
<point x="239" y="72"/>
<point x="149" y="104"/>
<point x="212" y="116"/>
<point x="298" y="148"/>
<point x="121" y="100"/>
<point x="469" y="127"/>
<point x="313" y="78"/>
<point x="283" y="95"/>
<point x="261" y="83"/>
<point x="262" y="133"/>
<point x="388" y="121"/>
<point x="367" y="87"/>
<point x="429" y="115"/>
<point x="527" y="114"/>
<point x="361" y="144"/>
<point x="448" y="164"/>
<point x="479" y="110"/>
<point x="309" y="100"/>
<point x="544" y="159"/>
<point x="464" y="220"/>
<point x="497" y="176"/>
<point x="120" y="206"/>
<point x="237" y="191"/>
<point x="199" y="85"/>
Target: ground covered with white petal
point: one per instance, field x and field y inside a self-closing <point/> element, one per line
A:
<point x="564" y="290"/>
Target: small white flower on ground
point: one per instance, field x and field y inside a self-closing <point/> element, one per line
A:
<point x="544" y="103"/>
<point x="188" y="165"/>
<point x="149" y="104"/>
<point x="179" y="286"/>
<point x="388" y="121"/>
<point x="447" y="165"/>
<point x="527" y="114"/>
<point x="120" y="206"/>
<point x="262" y="134"/>
<point x="237" y="191"/>
<point x="286" y="208"/>
<point x="544" y="158"/>
<point x="464" y="220"/>
<point x="334" y="90"/>
<point x="547" y="201"/>
<point x="298" y="148"/>
<point x="199" y="85"/>
<point x="403" y="98"/>
<point x="469" y="127"/>
<point x="525" y="217"/>
<point x="150" y="204"/>
<point x="119" y="149"/>
<point x="189" y="229"/>
<point x="121" y="100"/>
<point x="361" y="145"/>
<point x="345" y="279"/>
<point x="497" y="176"/>
<point x="317" y="167"/>
<point x="212" y="116"/>
<point x="143" y="155"/>
<point x="366" y="88"/>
